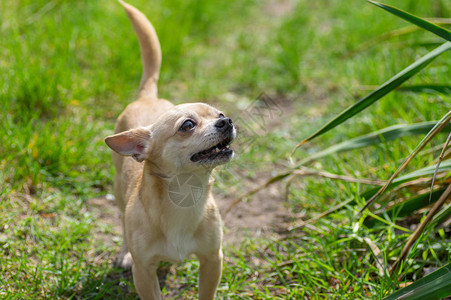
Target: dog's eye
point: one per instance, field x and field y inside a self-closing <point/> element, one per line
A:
<point x="187" y="125"/>
<point x="221" y="116"/>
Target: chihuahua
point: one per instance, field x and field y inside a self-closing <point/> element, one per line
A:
<point x="164" y="156"/>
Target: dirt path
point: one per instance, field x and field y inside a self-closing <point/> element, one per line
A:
<point x="264" y="216"/>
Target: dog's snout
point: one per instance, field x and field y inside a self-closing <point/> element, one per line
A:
<point x="224" y="124"/>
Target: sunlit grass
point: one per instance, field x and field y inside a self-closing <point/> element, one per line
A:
<point x="70" y="67"/>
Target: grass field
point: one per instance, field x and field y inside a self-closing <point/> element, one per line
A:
<point x="69" y="67"/>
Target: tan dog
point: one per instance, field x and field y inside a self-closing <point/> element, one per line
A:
<point x="163" y="187"/>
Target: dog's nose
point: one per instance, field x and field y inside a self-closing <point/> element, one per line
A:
<point x="224" y="124"/>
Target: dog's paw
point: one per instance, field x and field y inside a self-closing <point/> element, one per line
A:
<point x="125" y="261"/>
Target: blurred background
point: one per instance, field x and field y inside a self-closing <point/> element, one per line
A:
<point x="68" y="68"/>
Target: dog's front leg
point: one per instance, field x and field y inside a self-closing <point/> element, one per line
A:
<point x="146" y="282"/>
<point x="209" y="274"/>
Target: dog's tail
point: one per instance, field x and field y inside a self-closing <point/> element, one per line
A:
<point x="150" y="50"/>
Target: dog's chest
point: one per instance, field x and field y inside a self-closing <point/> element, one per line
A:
<point x="181" y="227"/>
<point x="179" y="247"/>
<point x="177" y="239"/>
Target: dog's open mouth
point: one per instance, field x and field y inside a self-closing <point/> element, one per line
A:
<point x="218" y="151"/>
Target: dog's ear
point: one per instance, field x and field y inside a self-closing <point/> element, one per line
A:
<point x="134" y="142"/>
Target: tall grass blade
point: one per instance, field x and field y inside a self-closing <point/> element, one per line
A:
<point x="427" y="88"/>
<point x="417" y="233"/>
<point x="310" y="172"/>
<point x="302" y="172"/>
<point x="443" y="216"/>
<point x="436" y="285"/>
<point x="437" y="128"/>
<point x="440" y="31"/>
<point x="440" y="158"/>
<point x="444" y="167"/>
<point x="407" y="207"/>
<point x="427" y="171"/>
<point x="379" y="39"/>
<point x="386" y="134"/>
<point x="384" y="89"/>
<point x="392" y="34"/>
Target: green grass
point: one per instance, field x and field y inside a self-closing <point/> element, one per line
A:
<point x="69" y="67"/>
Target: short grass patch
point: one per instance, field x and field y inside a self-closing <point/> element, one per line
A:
<point x="70" y="67"/>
